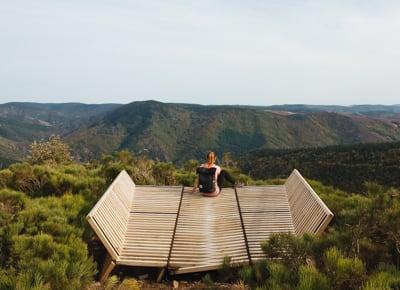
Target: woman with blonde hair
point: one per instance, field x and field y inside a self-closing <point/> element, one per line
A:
<point x="211" y="177"/>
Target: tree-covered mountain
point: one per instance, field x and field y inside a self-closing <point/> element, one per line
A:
<point x="346" y="167"/>
<point x="22" y="123"/>
<point x="355" y="109"/>
<point x="178" y="132"/>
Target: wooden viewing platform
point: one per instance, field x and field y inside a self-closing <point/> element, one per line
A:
<point x="171" y="228"/>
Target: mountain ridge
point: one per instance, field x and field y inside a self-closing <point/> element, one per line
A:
<point x="178" y="131"/>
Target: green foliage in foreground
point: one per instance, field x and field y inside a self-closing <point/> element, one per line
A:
<point x="45" y="242"/>
<point x="360" y="250"/>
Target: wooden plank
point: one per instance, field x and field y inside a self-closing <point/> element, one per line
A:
<point x="121" y="176"/>
<point x="109" y="216"/>
<point x="265" y="211"/>
<point x="136" y="223"/>
<point x="207" y="231"/>
<point x="310" y="214"/>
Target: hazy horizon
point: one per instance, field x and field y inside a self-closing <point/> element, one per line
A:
<point x="192" y="103"/>
<point x="210" y="52"/>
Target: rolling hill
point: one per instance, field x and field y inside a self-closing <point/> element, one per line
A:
<point x="177" y="132"/>
<point x="22" y="123"/>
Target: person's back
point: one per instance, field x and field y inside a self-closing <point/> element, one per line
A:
<point x="208" y="177"/>
<point x="211" y="177"/>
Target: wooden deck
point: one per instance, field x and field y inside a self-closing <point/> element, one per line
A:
<point x="170" y="228"/>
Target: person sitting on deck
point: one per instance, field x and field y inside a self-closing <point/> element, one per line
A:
<point x="211" y="177"/>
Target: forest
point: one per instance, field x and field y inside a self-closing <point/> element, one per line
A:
<point x="46" y="242"/>
<point x="346" y="167"/>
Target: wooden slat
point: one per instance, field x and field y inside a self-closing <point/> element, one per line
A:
<point x="163" y="199"/>
<point x="151" y="225"/>
<point x="208" y="230"/>
<point x="109" y="217"/>
<point x="265" y="211"/>
<point x="137" y="223"/>
<point x="309" y="212"/>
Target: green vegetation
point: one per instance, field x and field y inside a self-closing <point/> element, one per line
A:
<point x="179" y="132"/>
<point x="47" y="244"/>
<point x="360" y="249"/>
<point x="45" y="240"/>
<point x="22" y="123"/>
<point x="346" y="167"/>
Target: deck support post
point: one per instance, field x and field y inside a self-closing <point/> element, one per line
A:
<point x="160" y="275"/>
<point x="108" y="266"/>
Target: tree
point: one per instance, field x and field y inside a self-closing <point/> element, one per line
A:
<point x="52" y="151"/>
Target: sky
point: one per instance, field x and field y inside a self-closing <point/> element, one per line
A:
<point x="209" y="52"/>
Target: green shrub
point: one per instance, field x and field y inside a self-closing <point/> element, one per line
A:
<point x="246" y="274"/>
<point x="344" y="272"/>
<point x="30" y="280"/>
<point x="6" y="176"/>
<point x="44" y="243"/>
<point x="255" y="275"/>
<point x="54" y="216"/>
<point x="280" y="277"/>
<point x="292" y="250"/>
<point x="24" y="178"/>
<point x="191" y="165"/>
<point x="185" y="178"/>
<point x="62" y="265"/>
<point x="311" y="279"/>
<point x="11" y="203"/>
<point x="7" y="279"/>
<point x="111" y="282"/>
<point x="45" y="180"/>
<point x="129" y="284"/>
<point x="164" y="173"/>
<point x="243" y="179"/>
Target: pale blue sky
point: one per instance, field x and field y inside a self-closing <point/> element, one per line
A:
<point x="210" y="52"/>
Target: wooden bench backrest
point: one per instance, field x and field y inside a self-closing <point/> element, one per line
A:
<point x="109" y="217"/>
<point x="309" y="212"/>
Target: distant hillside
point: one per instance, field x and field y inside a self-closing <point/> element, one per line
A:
<point x="51" y="115"/>
<point x="22" y="123"/>
<point x="177" y="132"/>
<point x="360" y="109"/>
<point x="345" y="167"/>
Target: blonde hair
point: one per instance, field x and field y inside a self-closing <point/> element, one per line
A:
<point x="211" y="157"/>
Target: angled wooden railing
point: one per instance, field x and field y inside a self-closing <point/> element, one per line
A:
<point x="109" y="217"/>
<point x="168" y="227"/>
<point x="309" y="212"/>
